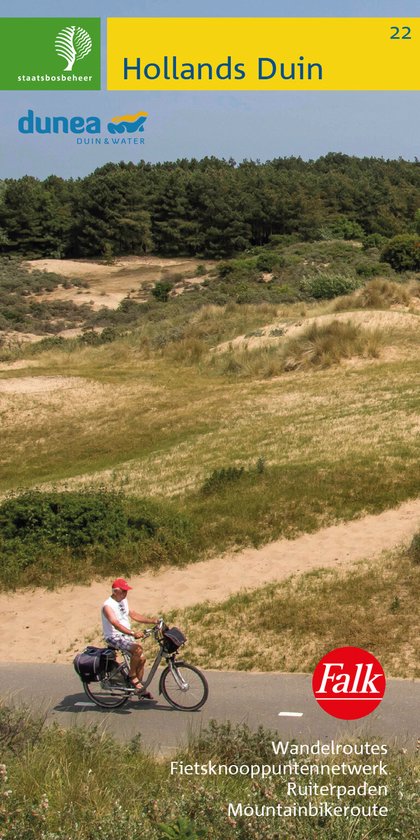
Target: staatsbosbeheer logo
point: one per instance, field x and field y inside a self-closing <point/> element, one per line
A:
<point x="50" y="53"/>
<point x="73" y="43"/>
<point x="348" y="683"/>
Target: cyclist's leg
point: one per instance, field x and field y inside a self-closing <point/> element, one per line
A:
<point x="137" y="662"/>
<point x="137" y="657"/>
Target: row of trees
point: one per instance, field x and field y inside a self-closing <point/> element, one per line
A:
<point x="209" y="207"/>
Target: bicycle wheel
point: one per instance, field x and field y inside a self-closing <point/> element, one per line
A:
<point x="105" y="694"/>
<point x="187" y="689"/>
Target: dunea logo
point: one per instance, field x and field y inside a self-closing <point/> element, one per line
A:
<point x="73" y="43"/>
<point x="348" y="683"/>
<point x="132" y="124"/>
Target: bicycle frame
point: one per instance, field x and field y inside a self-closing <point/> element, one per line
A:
<point x="170" y="659"/>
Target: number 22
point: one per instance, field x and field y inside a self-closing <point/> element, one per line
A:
<point x="396" y="36"/>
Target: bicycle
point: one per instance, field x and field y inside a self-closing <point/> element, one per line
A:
<point x="183" y="686"/>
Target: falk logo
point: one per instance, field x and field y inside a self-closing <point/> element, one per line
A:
<point x="73" y="44"/>
<point x="349" y="683"/>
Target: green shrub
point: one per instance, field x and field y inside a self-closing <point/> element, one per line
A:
<point x="403" y="252"/>
<point x="280" y="239"/>
<point x="108" y="254"/>
<point x="71" y="519"/>
<point x="324" y="286"/>
<point x="224" y="269"/>
<point x="373" y="240"/>
<point x="90" y="337"/>
<point x="95" y="339"/>
<point x="220" y="478"/>
<point x="161" y="290"/>
<point x="246" y="293"/>
<point x="415" y="548"/>
<point x="53" y="342"/>
<point x="268" y="260"/>
<point x="110" y="334"/>
<point x="342" y="228"/>
<point x="228" y="742"/>
<point x="286" y="293"/>
<point x="48" y="538"/>
<point x="369" y="270"/>
<point x="181" y="829"/>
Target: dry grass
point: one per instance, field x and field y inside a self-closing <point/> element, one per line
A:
<point x="328" y="344"/>
<point x="318" y="346"/>
<point x="379" y="293"/>
<point x="158" y="426"/>
<point x="162" y="436"/>
<point x="289" y="626"/>
<point x="336" y="440"/>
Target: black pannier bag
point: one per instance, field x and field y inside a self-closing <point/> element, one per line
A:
<point x="174" y="638"/>
<point x="92" y="664"/>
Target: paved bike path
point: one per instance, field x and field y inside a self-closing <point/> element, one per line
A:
<point x="252" y="698"/>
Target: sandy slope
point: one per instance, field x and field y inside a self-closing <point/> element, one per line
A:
<point x="43" y="626"/>
<point x="108" y="285"/>
<point x="370" y="319"/>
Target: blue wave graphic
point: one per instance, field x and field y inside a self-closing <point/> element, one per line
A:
<point x="125" y="126"/>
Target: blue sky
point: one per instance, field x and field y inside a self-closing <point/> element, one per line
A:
<point x="239" y="125"/>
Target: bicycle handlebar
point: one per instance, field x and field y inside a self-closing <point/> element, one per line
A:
<point x="157" y="628"/>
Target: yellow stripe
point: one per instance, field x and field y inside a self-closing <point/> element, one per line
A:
<point x="130" y="117"/>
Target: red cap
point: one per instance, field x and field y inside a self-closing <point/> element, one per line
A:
<point x="120" y="583"/>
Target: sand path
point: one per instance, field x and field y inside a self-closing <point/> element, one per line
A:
<point x="43" y="626"/>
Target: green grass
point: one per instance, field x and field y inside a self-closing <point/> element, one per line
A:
<point x="80" y="785"/>
<point x="289" y="626"/>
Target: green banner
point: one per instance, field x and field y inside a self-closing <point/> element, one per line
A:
<point x="50" y="54"/>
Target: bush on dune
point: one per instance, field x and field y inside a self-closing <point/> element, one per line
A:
<point x="323" y="286"/>
<point x="402" y="252"/>
<point x="56" y="537"/>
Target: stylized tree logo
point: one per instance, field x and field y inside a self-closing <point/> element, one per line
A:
<point x="73" y="43"/>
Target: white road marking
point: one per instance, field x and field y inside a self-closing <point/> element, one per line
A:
<point x="290" y="714"/>
<point x="84" y="704"/>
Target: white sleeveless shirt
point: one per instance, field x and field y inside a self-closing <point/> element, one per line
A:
<point x="120" y="611"/>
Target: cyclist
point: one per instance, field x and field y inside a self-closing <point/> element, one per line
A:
<point x="117" y="631"/>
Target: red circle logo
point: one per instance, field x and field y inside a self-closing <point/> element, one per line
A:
<point x="348" y="683"/>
